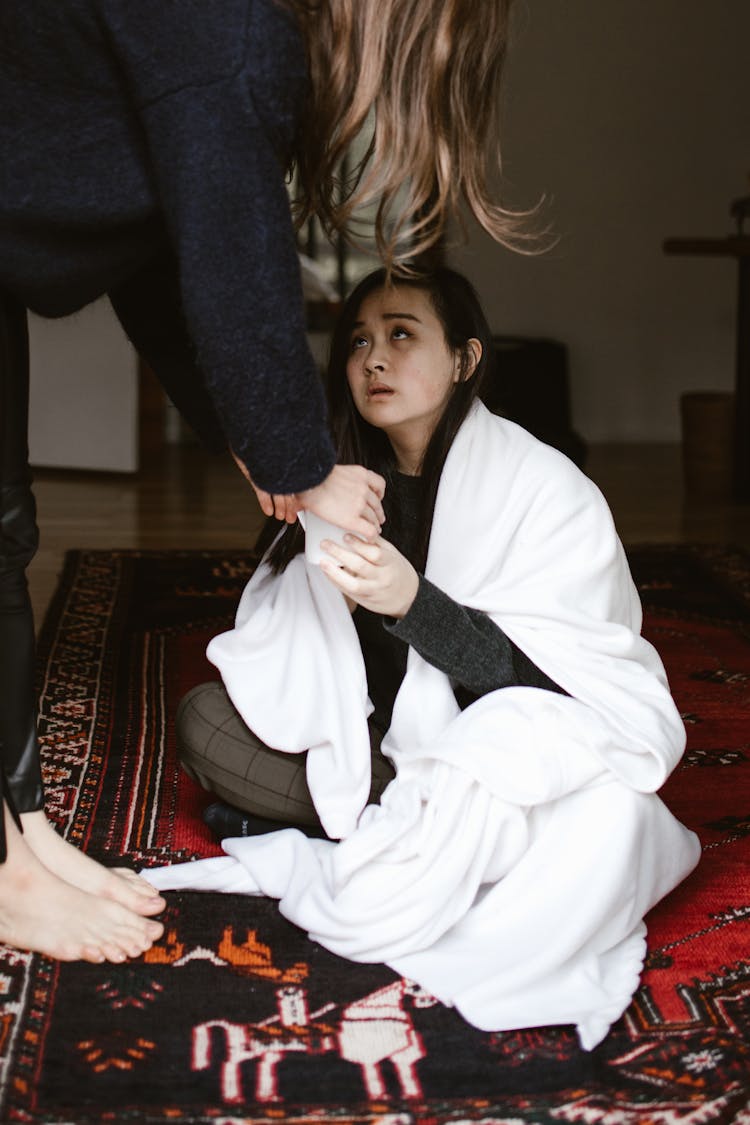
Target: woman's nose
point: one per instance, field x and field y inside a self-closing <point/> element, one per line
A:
<point x="374" y="361"/>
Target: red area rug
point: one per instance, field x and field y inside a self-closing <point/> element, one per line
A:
<point x="236" y="1016"/>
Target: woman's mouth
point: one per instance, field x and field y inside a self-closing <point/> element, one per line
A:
<point x="378" y="390"/>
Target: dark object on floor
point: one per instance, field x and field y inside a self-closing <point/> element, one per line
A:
<point x="529" y="384"/>
<point x="236" y="1015"/>
<point x="225" y="820"/>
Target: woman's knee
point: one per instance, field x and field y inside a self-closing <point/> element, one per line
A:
<point x="202" y="712"/>
<point x="14" y="591"/>
<point x="219" y="751"/>
<point x="212" y="736"/>
<point x="19" y="535"/>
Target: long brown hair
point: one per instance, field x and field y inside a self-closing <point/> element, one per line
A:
<point x="426" y="73"/>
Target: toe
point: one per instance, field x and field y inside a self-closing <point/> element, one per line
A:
<point x="154" y="930"/>
<point x="92" y="953"/>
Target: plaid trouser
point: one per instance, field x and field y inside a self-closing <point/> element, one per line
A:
<point x="220" y="752"/>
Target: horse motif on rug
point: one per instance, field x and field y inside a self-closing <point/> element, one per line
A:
<point x="366" y="1032"/>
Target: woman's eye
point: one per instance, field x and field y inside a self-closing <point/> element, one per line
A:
<point x="359" y="342"/>
<point x="400" y="334"/>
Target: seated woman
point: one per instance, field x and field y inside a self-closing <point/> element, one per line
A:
<point x="467" y="704"/>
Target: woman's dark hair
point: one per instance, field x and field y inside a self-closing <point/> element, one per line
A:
<point x="457" y="307"/>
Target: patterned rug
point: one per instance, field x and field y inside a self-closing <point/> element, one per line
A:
<point x="235" y="1016"/>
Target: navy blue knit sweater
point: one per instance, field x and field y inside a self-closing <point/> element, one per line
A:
<point x="143" y="146"/>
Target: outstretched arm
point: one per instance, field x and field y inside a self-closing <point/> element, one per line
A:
<point x="217" y="116"/>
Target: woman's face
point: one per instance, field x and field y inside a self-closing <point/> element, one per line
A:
<point x="400" y="369"/>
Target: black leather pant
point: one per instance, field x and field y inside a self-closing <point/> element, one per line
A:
<point x="20" y="769"/>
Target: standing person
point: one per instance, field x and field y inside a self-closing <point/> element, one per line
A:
<point x="144" y="152"/>
<point x="493" y="669"/>
<point x="53" y="898"/>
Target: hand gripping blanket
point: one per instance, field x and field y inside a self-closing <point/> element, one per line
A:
<point x="512" y="859"/>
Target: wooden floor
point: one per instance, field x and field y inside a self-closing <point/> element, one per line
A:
<point x="184" y="498"/>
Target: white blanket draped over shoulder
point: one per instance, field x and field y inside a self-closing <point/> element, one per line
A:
<point x="512" y="859"/>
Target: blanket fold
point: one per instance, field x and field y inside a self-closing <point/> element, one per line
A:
<point x="512" y="859"/>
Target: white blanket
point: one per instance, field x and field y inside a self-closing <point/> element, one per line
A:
<point x="510" y="863"/>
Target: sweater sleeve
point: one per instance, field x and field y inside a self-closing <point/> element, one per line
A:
<point x="218" y="101"/>
<point x="466" y="644"/>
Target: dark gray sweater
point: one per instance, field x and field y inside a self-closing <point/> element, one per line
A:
<point x="464" y="643"/>
<point x="142" y="153"/>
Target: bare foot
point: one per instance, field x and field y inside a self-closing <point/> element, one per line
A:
<point x="68" y="863"/>
<point x="41" y="913"/>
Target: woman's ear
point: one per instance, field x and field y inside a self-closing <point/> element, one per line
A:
<point x="467" y="360"/>
<point x="472" y="355"/>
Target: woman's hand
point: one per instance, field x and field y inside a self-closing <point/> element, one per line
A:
<point x="284" y="507"/>
<point x="351" y="497"/>
<point x="374" y="575"/>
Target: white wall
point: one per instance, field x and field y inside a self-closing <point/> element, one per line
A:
<point x="83" y="408"/>
<point x="633" y="117"/>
